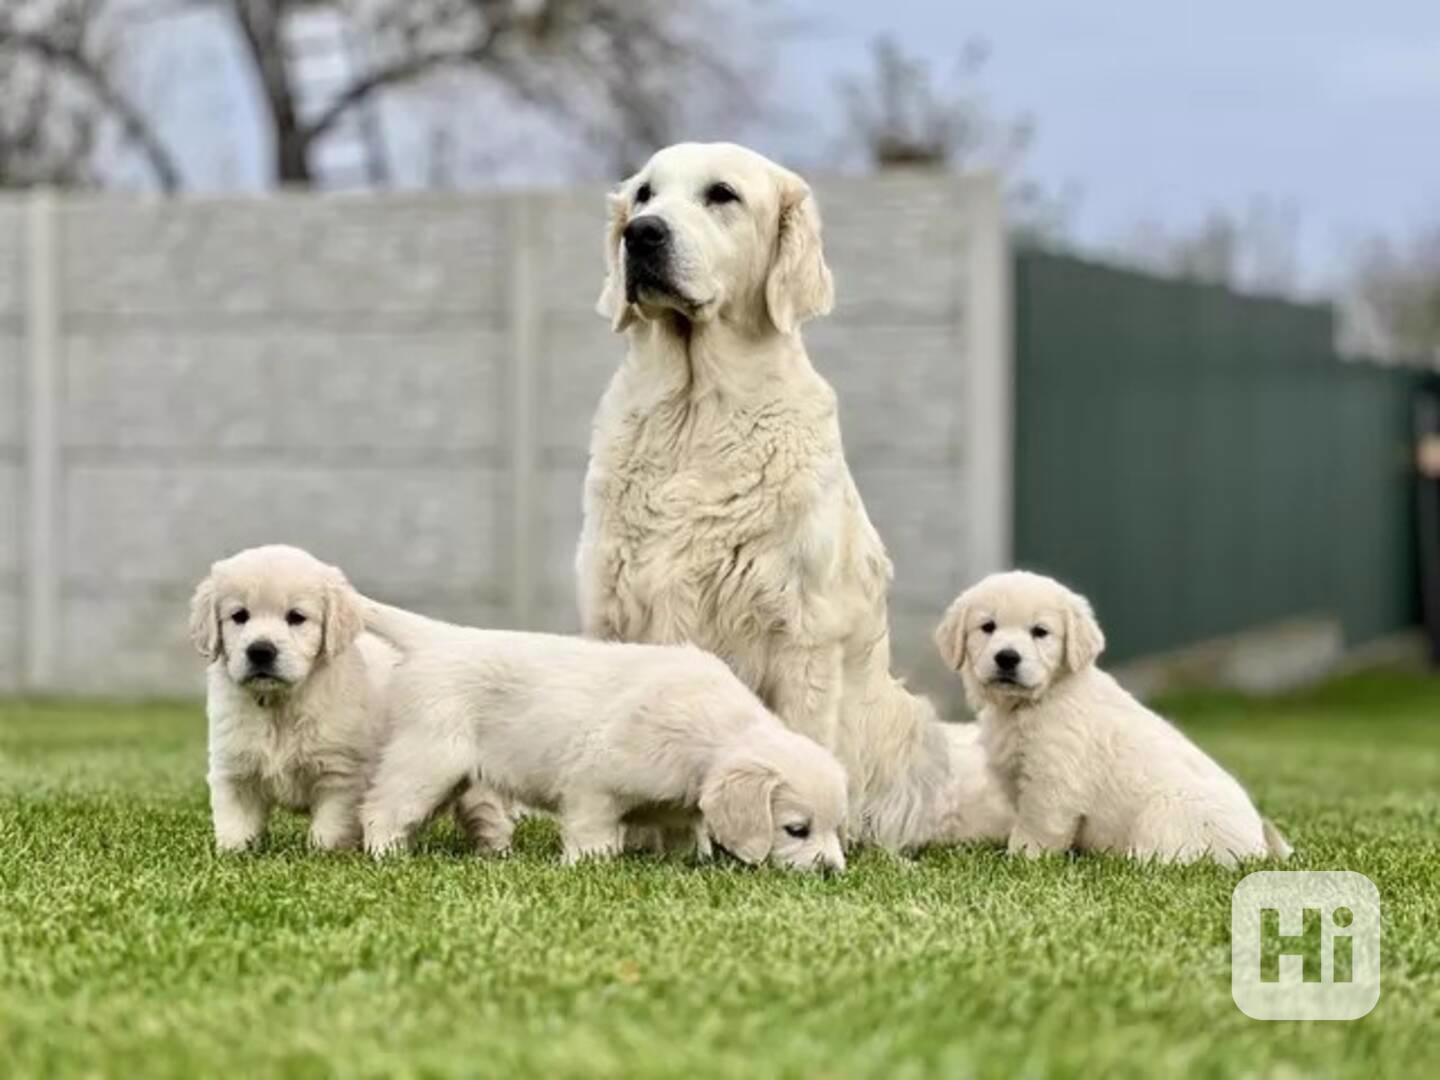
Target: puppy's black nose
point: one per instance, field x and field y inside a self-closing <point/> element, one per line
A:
<point x="260" y="653"/>
<point x="646" y="234"/>
<point x="1007" y="659"/>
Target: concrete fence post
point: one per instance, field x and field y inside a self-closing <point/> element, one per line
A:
<point x="989" y="422"/>
<point x="524" y="374"/>
<point x="42" y="446"/>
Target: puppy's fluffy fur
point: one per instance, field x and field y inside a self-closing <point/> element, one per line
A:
<point x="719" y="509"/>
<point x="292" y="695"/>
<point x="1085" y="764"/>
<point x="603" y="735"/>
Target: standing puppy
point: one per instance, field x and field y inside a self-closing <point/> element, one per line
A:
<point x="719" y="509"/>
<point x="292" y="696"/>
<point x="1085" y="764"/>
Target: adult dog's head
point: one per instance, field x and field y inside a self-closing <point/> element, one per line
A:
<point x="271" y="615"/>
<point x="1013" y="635"/>
<point x="713" y="231"/>
<point x="780" y="797"/>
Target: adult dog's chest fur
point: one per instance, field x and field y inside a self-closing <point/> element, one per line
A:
<point x="701" y="514"/>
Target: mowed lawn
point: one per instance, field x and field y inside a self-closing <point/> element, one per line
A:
<point x="127" y="948"/>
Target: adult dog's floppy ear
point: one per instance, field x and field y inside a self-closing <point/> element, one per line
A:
<point x="205" y="619"/>
<point x="343" y="620"/>
<point x="613" y="303"/>
<point x="950" y="634"/>
<point x="1084" y="640"/>
<point x="736" y="803"/>
<point x="799" y="286"/>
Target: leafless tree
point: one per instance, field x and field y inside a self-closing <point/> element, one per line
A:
<point x="1255" y="250"/>
<point x="1396" y="295"/>
<point x="609" y="67"/>
<point x="58" y="89"/>
<point x="900" y="116"/>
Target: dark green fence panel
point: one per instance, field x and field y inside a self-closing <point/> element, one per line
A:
<point x="1199" y="462"/>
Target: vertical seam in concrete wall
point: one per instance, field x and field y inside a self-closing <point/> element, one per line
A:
<point x="42" y="445"/>
<point x="990" y="405"/>
<point x="524" y="373"/>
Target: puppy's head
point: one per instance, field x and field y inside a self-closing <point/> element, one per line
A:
<point x="270" y="615"/>
<point x="1013" y="635"/>
<point x="781" y="797"/>
<point x="715" y="231"/>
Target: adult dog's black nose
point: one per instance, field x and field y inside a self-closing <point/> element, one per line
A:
<point x="646" y="234"/>
<point x="1007" y="659"/>
<point x="261" y="654"/>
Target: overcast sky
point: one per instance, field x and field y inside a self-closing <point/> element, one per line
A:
<point x="1165" y="109"/>
<point x="1154" y="109"/>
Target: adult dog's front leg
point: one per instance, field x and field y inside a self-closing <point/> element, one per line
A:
<point x="803" y="689"/>
<point x="238" y="809"/>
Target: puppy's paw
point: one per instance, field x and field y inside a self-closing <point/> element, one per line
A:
<point x="383" y="845"/>
<point x="232" y="841"/>
<point x="331" y="838"/>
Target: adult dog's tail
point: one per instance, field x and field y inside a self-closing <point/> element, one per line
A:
<point x="405" y="630"/>
<point x="1277" y="844"/>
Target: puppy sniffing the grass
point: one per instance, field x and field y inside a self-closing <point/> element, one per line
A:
<point x="1086" y="766"/>
<point x="605" y="735"/>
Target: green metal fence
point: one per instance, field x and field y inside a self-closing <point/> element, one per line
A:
<point x="1199" y="462"/>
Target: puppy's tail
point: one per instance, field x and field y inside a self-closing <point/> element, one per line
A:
<point x="1278" y="846"/>
<point x="405" y="630"/>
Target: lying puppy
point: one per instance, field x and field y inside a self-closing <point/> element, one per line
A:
<point x="1085" y="764"/>
<point x="294" y="701"/>
<point x="602" y="734"/>
<point x="292" y="696"/>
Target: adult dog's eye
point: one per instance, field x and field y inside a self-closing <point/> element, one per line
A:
<point x="295" y="618"/>
<point x="643" y="195"/>
<point x="1038" y="632"/>
<point x="988" y="626"/>
<point x="241" y="617"/>
<point x="799" y="832"/>
<point x="719" y="194"/>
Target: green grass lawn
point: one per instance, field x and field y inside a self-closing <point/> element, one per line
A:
<point x="128" y="948"/>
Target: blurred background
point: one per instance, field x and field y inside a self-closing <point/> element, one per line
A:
<point x="1145" y="296"/>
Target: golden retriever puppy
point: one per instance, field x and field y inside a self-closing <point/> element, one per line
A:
<point x="294" y="700"/>
<point x="1086" y="766"/>
<point x="601" y="734"/>
<point x="292" y="695"/>
<point x="719" y="509"/>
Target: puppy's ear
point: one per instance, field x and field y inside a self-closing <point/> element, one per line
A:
<point x="950" y="634"/>
<point x="736" y="803"/>
<point x="799" y="286"/>
<point x="343" y="620"/>
<point x="1084" y="640"/>
<point x="612" y="303"/>
<point x="205" y="620"/>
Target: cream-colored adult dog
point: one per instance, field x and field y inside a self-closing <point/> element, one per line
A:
<point x="292" y="695"/>
<point x="718" y="506"/>
<point x="1086" y="765"/>
<point x="602" y="734"/>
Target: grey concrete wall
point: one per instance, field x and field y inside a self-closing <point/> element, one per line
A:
<point x="404" y="385"/>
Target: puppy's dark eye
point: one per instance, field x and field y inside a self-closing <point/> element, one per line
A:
<point x="988" y="626"/>
<point x="720" y="194"/>
<point x="241" y="617"/>
<point x="642" y="196"/>
<point x="1038" y="632"/>
<point x="295" y="618"/>
<point x="799" y="832"/>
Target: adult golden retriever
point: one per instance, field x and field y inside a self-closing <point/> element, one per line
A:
<point x="719" y="509"/>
